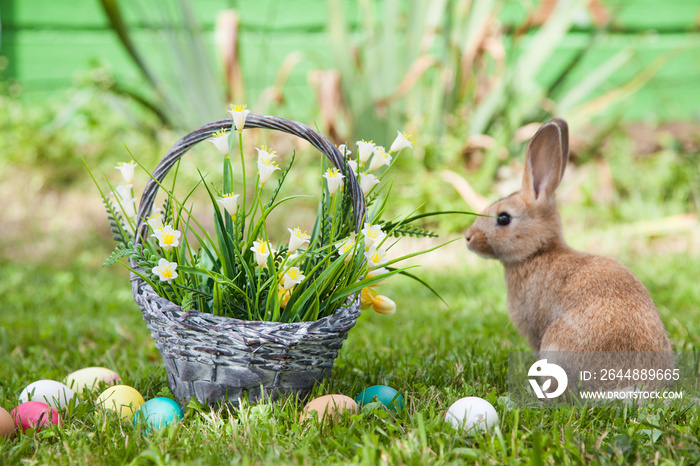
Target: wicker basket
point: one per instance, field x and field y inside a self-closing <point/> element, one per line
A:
<point x="221" y="359"/>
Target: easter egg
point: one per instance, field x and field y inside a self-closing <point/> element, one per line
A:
<point x="34" y="414"/>
<point x="158" y="412"/>
<point x="7" y="424"/>
<point x="472" y="412"/>
<point x="328" y="406"/>
<point x="90" y="378"/>
<point x="53" y="393"/>
<point x="387" y="396"/>
<point x="122" y="399"/>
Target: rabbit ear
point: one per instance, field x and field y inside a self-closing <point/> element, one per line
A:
<point x="547" y="154"/>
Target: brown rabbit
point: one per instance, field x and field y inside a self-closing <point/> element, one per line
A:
<point x="559" y="298"/>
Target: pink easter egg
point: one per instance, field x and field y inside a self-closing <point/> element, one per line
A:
<point x="35" y="414"/>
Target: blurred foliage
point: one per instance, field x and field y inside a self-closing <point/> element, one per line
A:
<point x="187" y="95"/>
<point x="465" y="83"/>
<point x="87" y="123"/>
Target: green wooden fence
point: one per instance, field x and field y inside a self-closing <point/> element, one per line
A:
<point x="48" y="45"/>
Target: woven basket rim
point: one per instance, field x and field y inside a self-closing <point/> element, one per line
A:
<point x="146" y="292"/>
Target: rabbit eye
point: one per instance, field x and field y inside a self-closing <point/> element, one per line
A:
<point x="503" y="219"/>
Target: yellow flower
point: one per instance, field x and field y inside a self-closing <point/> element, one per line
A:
<point x="239" y="113"/>
<point x="284" y="296"/>
<point x="381" y="304"/>
<point x="384" y="305"/>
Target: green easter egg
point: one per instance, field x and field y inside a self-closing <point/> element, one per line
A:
<point x="383" y="394"/>
<point x="158" y="413"/>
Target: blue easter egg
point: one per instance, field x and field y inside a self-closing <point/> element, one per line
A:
<point x="158" y="413"/>
<point x="385" y="395"/>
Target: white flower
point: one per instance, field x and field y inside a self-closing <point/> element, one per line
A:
<point x="380" y="158"/>
<point x="344" y="150"/>
<point x="265" y="154"/>
<point x="334" y="179"/>
<point x="127" y="171"/>
<point x="220" y="140"/>
<point x="345" y="247"/>
<point x="165" y="270"/>
<point x="266" y="168"/>
<point x="292" y="277"/>
<point x="229" y="202"/>
<point x="353" y="166"/>
<point x="373" y="234"/>
<point x="401" y="142"/>
<point x="296" y="239"/>
<point x="155" y="222"/>
<point x="167" y="237"/>
<point x="364" y="151"/>
<point x="375" y="273"/>
<point x="239" y="112"/>
<point x="368" y="182"/>
<point x="262" y="251"/>
<point x="375" y="257"/>
<point x="125" y="202"/>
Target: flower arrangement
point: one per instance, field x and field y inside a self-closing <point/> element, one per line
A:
<point x="240" y="271"/>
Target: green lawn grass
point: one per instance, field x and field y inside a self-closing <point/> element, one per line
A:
<point x="54" y="321"/>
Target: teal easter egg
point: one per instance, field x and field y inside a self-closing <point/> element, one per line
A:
<point x="383" y="394"/>
<point x="158" y="413"/>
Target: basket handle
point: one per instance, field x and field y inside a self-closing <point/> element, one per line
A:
<point x="252" y="121"/>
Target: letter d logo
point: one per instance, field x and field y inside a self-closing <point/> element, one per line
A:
<point x="542" y="368"/>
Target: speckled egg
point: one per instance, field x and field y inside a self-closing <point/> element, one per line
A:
<point x="122" y="399"/>
<point x="328" y="406"/>
<point x="158" y="413"/>
<point x="90" y="378"/>
<point x="35" y="414"/>
<point x="54" y="394"/>
<point x="7" y="424"/>
<point x="387" y="396"/>
<point x="470" y="413"/>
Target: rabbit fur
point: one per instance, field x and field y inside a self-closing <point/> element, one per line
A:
<point x="558" y="298"/>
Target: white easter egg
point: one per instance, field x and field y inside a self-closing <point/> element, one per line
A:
<point x="53" y="393"/>
<point x="90" y="378"/>
<point x="472" y="412"/>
